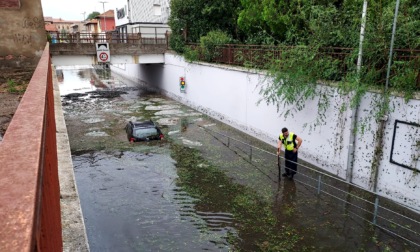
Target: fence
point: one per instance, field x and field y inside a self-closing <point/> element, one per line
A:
<point x="110" y="37"/>
<point x="30" y="216"/>
<point x="262" y="56"/>
<point x="391" y="217"/>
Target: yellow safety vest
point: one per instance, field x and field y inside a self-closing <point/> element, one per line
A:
<point x="288" y="143"/>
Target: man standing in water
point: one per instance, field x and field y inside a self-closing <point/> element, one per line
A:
<point x="291" y="144"/>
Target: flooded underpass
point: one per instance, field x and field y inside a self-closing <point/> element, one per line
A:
<point x="195" y="189"/>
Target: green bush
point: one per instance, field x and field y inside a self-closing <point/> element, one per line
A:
<point x="177" y="43"/>
<point x="211" y="41"/>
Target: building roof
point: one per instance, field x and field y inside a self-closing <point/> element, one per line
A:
<point x="60" y="20"/>
<point x="48" y="19"/>
<point x="106" y="14"/>
<point x="92" y="21"/>
<point x="50" y="28"/>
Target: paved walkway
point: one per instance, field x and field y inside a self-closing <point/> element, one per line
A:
<point x="74" y="232"/>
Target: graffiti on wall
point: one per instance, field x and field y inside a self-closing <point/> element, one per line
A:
<point x="23" y="39"/>
<point x="32" y="23"/>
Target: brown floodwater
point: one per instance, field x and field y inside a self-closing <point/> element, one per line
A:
<point x="195" y="190"/>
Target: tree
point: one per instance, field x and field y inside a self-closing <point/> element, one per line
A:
<point x="93" y="15"/>
<point x="198" y="17"/>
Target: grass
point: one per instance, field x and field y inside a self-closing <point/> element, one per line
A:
<point x="14" y="88"/>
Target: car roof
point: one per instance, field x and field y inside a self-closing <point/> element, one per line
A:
<point x="144" y="124"/>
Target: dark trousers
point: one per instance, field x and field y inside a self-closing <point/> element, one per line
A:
<point x="291" y="162"/>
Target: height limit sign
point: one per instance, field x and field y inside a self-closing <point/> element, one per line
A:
<point x="102" y="52"/>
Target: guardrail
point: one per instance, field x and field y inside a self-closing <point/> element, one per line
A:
<point x="110" y="37"/>
<point x="385" y="214"/>
<point x="30" y="218"/>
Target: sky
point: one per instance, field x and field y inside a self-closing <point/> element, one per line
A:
<point x="72" y="10"/>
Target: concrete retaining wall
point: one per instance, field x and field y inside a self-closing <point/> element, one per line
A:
<point x="231" y="95"/>
<point x="23" y="34"/>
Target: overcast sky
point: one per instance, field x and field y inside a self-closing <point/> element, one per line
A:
<point x="73" y="9"/>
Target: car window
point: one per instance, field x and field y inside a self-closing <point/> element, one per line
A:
<point x="145" y="132"/>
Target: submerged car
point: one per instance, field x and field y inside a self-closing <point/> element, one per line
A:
<point x="143" y="131"/>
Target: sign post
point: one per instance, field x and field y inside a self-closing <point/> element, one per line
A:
<point x="102" y="52"/>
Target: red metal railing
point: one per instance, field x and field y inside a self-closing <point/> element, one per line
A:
<point x="30" y="218"/>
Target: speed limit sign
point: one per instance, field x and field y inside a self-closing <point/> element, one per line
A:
<point x="103" y="56"/>
<point x="102" y="52"/>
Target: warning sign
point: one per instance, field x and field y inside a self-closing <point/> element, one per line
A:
<point x="102" y="52"/>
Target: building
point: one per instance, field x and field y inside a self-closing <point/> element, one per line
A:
<point x="78" y="27"/>
<point x="145" y="17"/>
<point x="91" y="26"/>
<point x="64" y="26"/>
<point x="106" y="21"/>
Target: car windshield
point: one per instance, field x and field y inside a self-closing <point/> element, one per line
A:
<point x="144" y="132"/>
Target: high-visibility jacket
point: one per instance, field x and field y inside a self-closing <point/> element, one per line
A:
<point x="288" y="142"/>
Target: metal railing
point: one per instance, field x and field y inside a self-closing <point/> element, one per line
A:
<point x="238" y="54"/>
<point x="398" y="220"/>
<point x="262" y="56"/>
<point x="30" y="217"/>
<point x="109" y="37"/>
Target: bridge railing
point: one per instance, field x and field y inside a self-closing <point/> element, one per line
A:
<point x="110" y="37"/>
<point x="30" y="218"/>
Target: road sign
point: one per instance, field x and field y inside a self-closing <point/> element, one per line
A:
<point x="102" y="52"/>
<point x="103" y="56"/>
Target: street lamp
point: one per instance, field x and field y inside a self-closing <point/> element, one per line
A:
<point x="103" y="6"/>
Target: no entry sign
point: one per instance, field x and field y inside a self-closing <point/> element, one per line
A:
<point x="102" y="52"/>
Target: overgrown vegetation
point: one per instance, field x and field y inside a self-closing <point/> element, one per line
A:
<point x="92" y="15"/>
<point x="14" y="88"/>
<point x="322" y="39"/>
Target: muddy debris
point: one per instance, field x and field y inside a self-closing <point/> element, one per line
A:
<point x="106" y="93"/>
<point x="94" y="94"/>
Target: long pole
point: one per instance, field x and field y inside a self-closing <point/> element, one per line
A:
<point x="354" y="114"/>
<point x="103" y="7"/>
<point x="385" y="95"/>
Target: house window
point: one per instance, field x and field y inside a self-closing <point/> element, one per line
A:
<point x="157" y="10"/>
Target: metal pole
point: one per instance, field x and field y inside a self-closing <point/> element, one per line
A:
<point x="362" y="36"/>
<point x="103" y="7"/>
<point x="391" y="49"/>
<point x="375" y="213"/>
<point x="385" y="96"/>
<point x="250" y="153"/>
<point x="319" y="184"/>
<point x="355" y="110"/>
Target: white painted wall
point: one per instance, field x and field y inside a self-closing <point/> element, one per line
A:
<point x="121" y="13"/>
<point x="147" y="11"/>
<point x="231" y="95"/>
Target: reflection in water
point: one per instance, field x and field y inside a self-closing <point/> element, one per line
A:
<point x="184" y="124"/>
<point x="130" y="203"/>
<point x="60" y="75"/>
